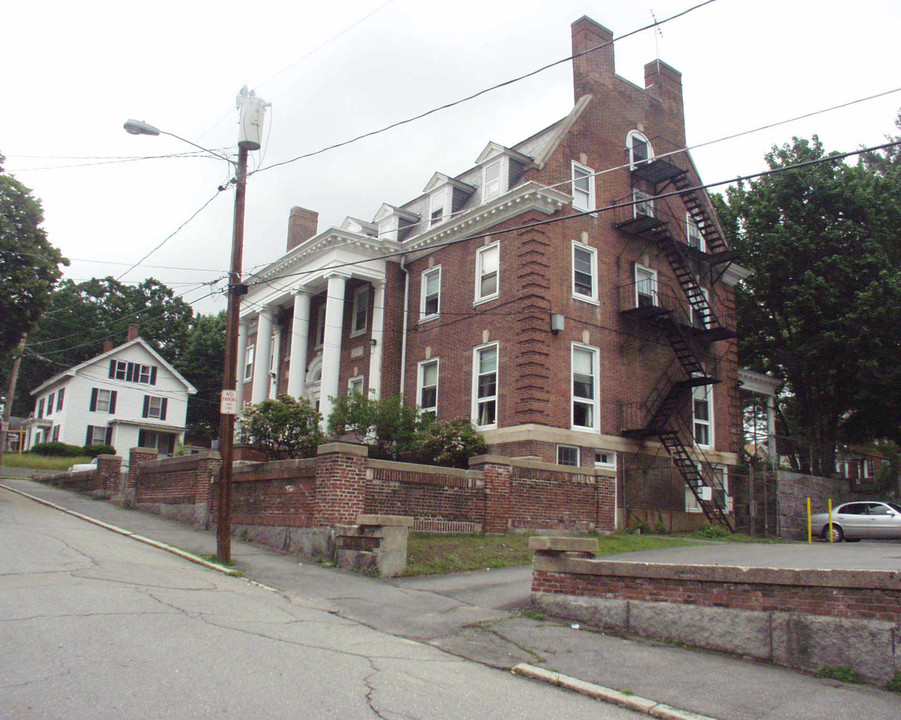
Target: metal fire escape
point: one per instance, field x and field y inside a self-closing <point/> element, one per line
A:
<point x="684" y="316"/>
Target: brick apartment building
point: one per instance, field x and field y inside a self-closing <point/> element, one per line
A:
<point x="599" y="339"/>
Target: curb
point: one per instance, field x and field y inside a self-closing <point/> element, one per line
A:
<point x="599" y="692"/>
<point x="127" y="533"/>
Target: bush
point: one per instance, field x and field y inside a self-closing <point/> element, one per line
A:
<point x="95" y="450"/>
<point x="56" y="449"/>
<point x="386" y="425"/>
<point x="283" y="428"/>
<point x="712" y="531"/>
<point x="450" y="443"/>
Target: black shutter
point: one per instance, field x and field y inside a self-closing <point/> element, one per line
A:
<point x="112" y="368"/>
<point x="146" y="410"/>
<point x="109" y="434"/>
<point x="163" y="408"/>
<point x="153" y="375"/>
<point x="112" y="402"/>
<point x="93" y="399"/>
<point x="87" y="439"/>
<point x="129" y="372"/>
<point x="59" y="398"/>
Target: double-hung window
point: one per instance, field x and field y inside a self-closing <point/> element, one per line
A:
<point x="437" y="203"/>
<point x="585" y="272"/>
<point x="487" y="262"/>
<point x="645" y="287"/>
<point x="484" y="386"/>
<point x="584" y="387"/>
<point x="642" y="204"/>
<point x="693" y="234"/>
<point x="50" y="398"/>
<point x="103" y="401"/>
<point x="431" y="294"/>
<point x="491" y="180"/>
<point x="41" y="407"/>
<point x="59" y="399"/>
<point x="640" y="150"/>
<point x="355" y="385"/>
<point x="702" y="415"/>
<point x="427" y="390"/>
<point x="360" y="319"/>
<point x="582" y="187"/>
<point x="248" y="363"/>
<point x="154" y="407"/>
<point x="701" y="320"/>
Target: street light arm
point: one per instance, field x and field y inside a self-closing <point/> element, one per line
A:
<point x="139" y="127"/>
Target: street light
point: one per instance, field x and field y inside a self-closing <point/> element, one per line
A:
<point x="251" y="109"/>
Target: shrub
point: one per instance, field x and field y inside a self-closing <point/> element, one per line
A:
<point x="385" y="424"/>
<point x="283" y="428"/>
<point x="712" y="531"/>
<point x="95" y="450"/>
<point x="448" y="443"/>
<point x="56" y="449"/>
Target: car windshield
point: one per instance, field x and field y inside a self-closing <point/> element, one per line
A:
<point x="893" y="506"/>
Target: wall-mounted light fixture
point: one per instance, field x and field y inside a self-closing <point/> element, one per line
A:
<point x="557" y="323"/>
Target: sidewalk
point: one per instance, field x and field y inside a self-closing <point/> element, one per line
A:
<point x="473" y="615"/>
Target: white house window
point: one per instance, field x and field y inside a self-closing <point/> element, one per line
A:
<point x="50" y="398"/>
<point x="132" y="372"/>
<point x="274" y="342"/>
<point x="487" y="261"/>
<point x="355" y="385"/>
<point x="702" y="415"/>
<point x="360" y="311"/>
<point x="568" y="455"/>
<point x="585" y="272"/>
<point x="645" y="287"/>
<point x="248" y="363"/>
<point x="582" y="187"/>
<point x="484" y="386"/>
<point x="642" y="204"/>
<point x="427" y="390"/>
<point x="584" y="387"/>
<point x="437" y="204"/>
<point x="154" y="407"/>
<point x="118" y="369"/>
<point x="320" y="326"/>
<point x="144" y="374"/>
<point x="41" y="407"/>
<point x="97" y="435"/>
<point x="605" y="459"/>
<point x="719" y="494"/>
<point x="697" y="320"/>
<point x="103" y="401"/>
<point x="694" y="235"/>
<point x="431" y="294"/>
<point x="491" y="180"/>
<point x="59" y="399"/>
<point x="640" y="150"/>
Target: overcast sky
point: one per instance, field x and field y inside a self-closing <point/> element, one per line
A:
<point x="75" y="71"/>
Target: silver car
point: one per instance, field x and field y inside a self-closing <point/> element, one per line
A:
<point x="859" y="520"/>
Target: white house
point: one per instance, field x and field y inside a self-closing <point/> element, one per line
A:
<point x="126" y="397"/>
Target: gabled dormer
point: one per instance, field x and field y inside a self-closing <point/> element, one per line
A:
<point x="394" y="223"/>
<point x="446" y="196"/>
<point x="502" y="168"/>
<point x="360" y="227"/>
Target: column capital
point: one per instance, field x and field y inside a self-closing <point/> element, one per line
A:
<point x="301" y="290"/>
<point x="329" y="274"/>
<point x="265" y="312"/>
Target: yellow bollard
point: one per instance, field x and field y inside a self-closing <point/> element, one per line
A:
<point x="809" y="530"/>
<point x="830" y="519"/>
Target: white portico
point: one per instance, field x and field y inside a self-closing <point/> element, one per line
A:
<point x="324" y="296"/>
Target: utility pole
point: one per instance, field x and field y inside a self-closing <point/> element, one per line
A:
<point x="251" y="110"/>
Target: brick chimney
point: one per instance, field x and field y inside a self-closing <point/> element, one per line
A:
<point x="596" y="67"/>
<point x="133" y="332"/>
<point x="107" y="345"/>
<point x="302" y="225"/>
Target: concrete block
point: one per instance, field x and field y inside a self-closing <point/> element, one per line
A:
<point x="388" y="520"/>
<point x="595" y="612"/>
<point x="582" y="546"/>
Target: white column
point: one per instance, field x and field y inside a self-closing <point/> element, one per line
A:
<point x="331" y="344"/>
<point x="262" y="353"/>
<point x="378" y="334"/>
<point x="242" y="352"/>
<point x="771" y="431"/>
<point x="275" y="352"/>
<point x="300" y="338"/>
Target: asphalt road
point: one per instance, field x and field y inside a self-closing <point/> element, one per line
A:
<point x="95" y="625"/>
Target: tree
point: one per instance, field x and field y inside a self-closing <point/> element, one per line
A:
<point x="283" y="428"/>
<point x="81" y="316"/>
<point x="385" y="424"/>
<point x="29" y="264"/>
<point x="201" y="364"/>
<point x="822" y="308"/>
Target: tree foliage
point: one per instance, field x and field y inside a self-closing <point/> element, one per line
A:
<point x="29" y="264"/>
<point x="385" y="424"/>
<point x="822" y="307"/>
<point x="283" y="428"/>
<point x="201" y="362"/>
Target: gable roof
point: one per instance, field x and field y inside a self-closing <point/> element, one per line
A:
<point x="71" y="372"/>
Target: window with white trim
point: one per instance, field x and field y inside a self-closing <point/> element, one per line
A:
<point x="154" y="407"/>
<point x="585" y="272"/>
<point x="103" y="401"/>
<point x="491" y="180"/>
<point x="487" y="264"/>
<point x="702" y="415"/>
<point x="484" y="386"/>
<point x="50" y="398"/>
<point x="248" y="363"/>
<point x="97" y="435"/>
<point x="360" y="316"/>
<point x="437" y="203"/>
<point x="605" y="459"/>
<point x="697" y="320"/>
<point x="645" y="287"/>
<point x="320" y="326"/>
<point x="568" y="455"/>
<point x="582" y="187"/>
<point x="720" y="494"/>
<point x="693" y="234"/>
<point x="584" y="387"/>
<point x="355" y="385"/>
<point x="640" y="150"/>
<point x="430" y="304"/>
<point x="427" y="387"/>
<point x="59" y="399"/>
<point x="643" y="204"/>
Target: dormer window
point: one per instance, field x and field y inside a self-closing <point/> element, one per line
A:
<point x="640" y="150"/>
<point x="491" y="180"/>
<point x="436" y="207"/>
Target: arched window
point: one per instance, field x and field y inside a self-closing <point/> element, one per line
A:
<point x="640" y="150"/>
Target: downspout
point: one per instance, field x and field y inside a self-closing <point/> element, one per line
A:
<point x="403" y="345"/>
